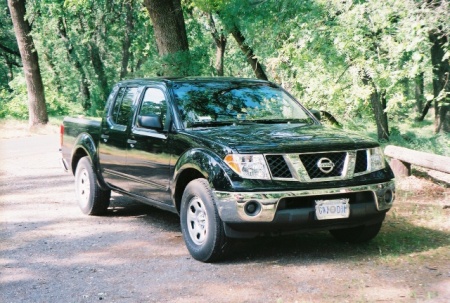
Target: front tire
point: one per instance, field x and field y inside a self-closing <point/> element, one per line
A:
<point x="357" y="234"/>
<point x="201" y="225"/>
<point x="91" y="199"/>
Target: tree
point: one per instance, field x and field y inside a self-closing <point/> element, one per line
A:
<point x="73" y="57"/>
<point x="440" y="53"/>
<point x="378" y="103"/>
<point x="249" y="54"/>
<point x="227" y="12"/>
<point x="170" y="34"/>
<point x="36" y="98"/>
<point x="9" y="52"/>
<point x="436" y="14"/>
<point x="221" y="42"/>
<point x="441" y="80"/>
<point x="127" y="38"/>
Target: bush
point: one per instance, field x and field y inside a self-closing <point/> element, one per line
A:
<point x="14" y="102"/>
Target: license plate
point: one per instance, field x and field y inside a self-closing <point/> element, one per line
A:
<point x="332" y="209"/>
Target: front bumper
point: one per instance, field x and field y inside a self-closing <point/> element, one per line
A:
<point x="245" y="207"/>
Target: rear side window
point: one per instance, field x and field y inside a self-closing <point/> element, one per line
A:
<point x="122" y="105"/>
<point x="117" y="102"/>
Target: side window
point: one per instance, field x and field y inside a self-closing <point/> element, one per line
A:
<point x="117" y="102"/>
<point x="123" y="104"/>
<point x="154" y="103"/>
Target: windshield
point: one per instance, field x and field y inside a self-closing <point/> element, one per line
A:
<point x="225" y="103"/>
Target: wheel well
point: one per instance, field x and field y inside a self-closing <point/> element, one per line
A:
<point x="183" y="180"/>
<point x="79" y="153"/>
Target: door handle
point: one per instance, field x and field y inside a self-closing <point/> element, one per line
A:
<point x="104" y="137"/>
<point x="131" y="141"/>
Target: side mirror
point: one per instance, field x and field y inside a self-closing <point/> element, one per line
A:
<point x="150" y="122"/>
<point x="316" y="113"/>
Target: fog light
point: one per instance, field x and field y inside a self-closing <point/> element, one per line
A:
<point x="388" y="196"/>
<point x="252" y="208"/>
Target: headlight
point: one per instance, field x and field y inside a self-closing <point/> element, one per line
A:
<point x="376" y="159"/>
<point x="248" y="166"/>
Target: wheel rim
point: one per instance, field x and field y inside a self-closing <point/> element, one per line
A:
<point x="83" y="188"/>
<point x="197" y="220"/>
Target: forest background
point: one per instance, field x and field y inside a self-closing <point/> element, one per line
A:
<point x="377" y="66"/>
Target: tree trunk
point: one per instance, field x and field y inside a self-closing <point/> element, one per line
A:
<point x="36" y="98"/>
<point x="52" y="68"/>
<point x="441" y="81"/>
<point x="419" y="92"/>
<point x="425" y="110"/>
<point x="170" y="34"/>
<point x="250" y="56"/>
<point x="10" y="74"/>
<point x="221" y="42"/>
<point x="97" y="64"/>
<point x="99" y="70"/>
<point x="83" y="86"/>
<point x="378" y="102"/>
<point x="10" y="63"/>
<point x="127" y="39"/>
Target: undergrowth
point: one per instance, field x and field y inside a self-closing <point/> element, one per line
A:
<point x="414" y="135"/>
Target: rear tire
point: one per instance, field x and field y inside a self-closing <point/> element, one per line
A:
<point x="91" y="199"/>
<point x="357" y="234"/>
<point x="201" y="225"/>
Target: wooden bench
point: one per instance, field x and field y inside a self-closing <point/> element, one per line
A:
<point x="402" y="159"/>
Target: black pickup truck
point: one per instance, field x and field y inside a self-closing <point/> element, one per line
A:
<point x="235" y="158"/>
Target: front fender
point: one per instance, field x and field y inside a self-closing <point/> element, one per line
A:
<point x="207" y="164"/>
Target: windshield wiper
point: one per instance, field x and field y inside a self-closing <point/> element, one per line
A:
<point x="241" y="122"/>
<point x="281" y="121"/>
<point x="209" y="123"/>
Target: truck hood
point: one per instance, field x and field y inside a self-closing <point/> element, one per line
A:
<point x="283" y="138"/>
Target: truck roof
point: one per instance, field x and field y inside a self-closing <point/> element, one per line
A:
<point x="166" y="80"/>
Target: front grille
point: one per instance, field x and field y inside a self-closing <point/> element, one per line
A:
<point x="278" y="166"/>
<point x="361" y="161"/>
<point x="311" y="164"/>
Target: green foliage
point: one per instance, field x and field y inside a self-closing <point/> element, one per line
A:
<point x="407" y="133"/>
<point x="9" y="52"/>
<point x="420" y="136"/>
<point x="318" y="50"/>
<point x="209" y="5"/>
<point x="15" y="106"/>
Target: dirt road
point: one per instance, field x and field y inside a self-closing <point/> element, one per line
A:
<point x="50" y="252"/>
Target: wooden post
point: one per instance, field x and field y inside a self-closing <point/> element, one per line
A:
<point x="400" y="169"/>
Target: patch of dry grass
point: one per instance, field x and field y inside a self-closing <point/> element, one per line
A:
<point x="10" y="128"/>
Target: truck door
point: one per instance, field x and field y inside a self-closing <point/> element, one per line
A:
<point x="148" y="154"/>
<point x="113" y="138"/>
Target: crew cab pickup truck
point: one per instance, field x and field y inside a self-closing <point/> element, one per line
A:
<point x="235" y="158"/>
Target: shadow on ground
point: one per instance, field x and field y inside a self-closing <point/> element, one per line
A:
<point x="397" y="237"/>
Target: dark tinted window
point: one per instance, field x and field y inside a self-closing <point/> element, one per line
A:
<point x="154" y="103"/>
<point x="117" y="102"/>
<point x="210" y="102"/>
<point x="123" y="104"/>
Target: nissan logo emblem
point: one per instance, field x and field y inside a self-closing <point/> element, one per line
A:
<point x="325" y="165"/>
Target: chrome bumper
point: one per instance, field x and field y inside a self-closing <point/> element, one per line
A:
<point x="233" y="206"/>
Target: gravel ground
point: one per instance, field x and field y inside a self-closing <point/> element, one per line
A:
<point x="50" y="252"/>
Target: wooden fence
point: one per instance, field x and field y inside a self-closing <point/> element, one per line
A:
<point x="402" y="159"/>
